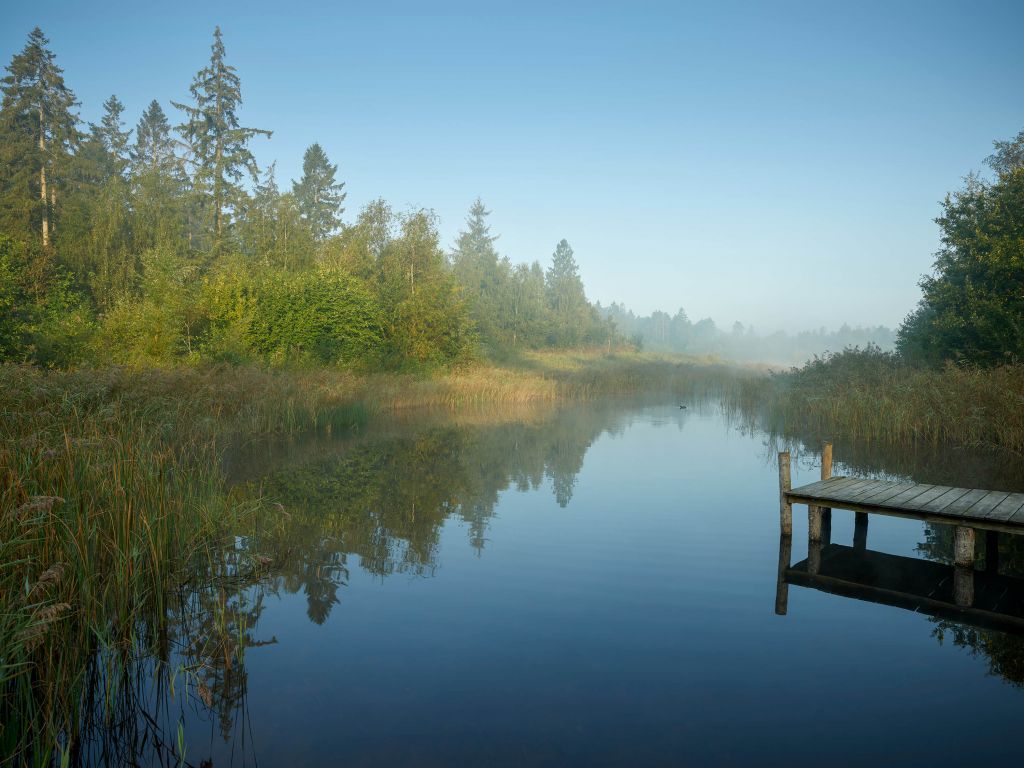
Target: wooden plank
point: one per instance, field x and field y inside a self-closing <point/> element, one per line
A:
<point x="924" y="499"/>
<point x="894" y="490"/>
<point x="1007" y="507"/>
<point x="900" y="501"/>
<point x="983" y="508"/>
<point x="815" y="489"/>
<point x="943" y="501"/>
<point x="847" y="492"/>
<point x="868" y="490"/>
<point x="965" y="502"/>
<point x="1012" y="527"/>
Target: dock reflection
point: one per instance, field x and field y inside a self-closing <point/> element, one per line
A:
<point x="984" y="599"/>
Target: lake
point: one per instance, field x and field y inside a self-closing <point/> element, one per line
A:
<point x="588" y="585"/>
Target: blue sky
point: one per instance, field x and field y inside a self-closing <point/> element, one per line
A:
<point x="779" y="164"/>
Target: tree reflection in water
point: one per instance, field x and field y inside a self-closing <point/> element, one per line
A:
<point x="321" y="509"/>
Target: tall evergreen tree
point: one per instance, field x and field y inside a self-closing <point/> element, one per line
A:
<point x="38" y="132"/>
<point x="96" y="237"/>
<point x="154" y="147"/>
<point x="112" y="136"/>
<point x="318" y="194"/>
<point x="566" y="297"/>
<point x="158" y="184"/>
<point x="218" y="143"/>
<point x="485" y="277"/>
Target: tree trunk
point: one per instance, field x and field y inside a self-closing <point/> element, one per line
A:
<point x="42" y="181"/>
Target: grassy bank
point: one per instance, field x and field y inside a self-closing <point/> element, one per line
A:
<point x="112" y="497"/>
<point x="869" y="395"/>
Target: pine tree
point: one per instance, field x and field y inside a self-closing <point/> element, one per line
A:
<point x="38" y="132"/>
<point x="218" y="143"/>
<point x="318" y="195"/>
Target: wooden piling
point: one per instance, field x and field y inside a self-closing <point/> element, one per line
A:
<point x="813" y="557"/>
<point x="826" y="512"/>
<point x="963" y="586"/>
<point x="782" y="586"/>
<point x="860" y="530"/>
<point x="785" y="508"/>
<point x="992" y="551"/>
<point x="963" y="546"/>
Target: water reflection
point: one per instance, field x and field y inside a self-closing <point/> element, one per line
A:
<point x="377" y="506"/>
<point x="376" y="502"/>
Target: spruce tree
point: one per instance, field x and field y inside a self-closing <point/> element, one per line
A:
<point x="112" y="137"/>
<point x="318" y="194"/>
<point x="485" y="276"/>
<point x="158" y="184"/>
<point x="218" y="143"/>
<point x="566" y="297"/>
<point x="38" y="132"/>
<point x="154" y="147"/>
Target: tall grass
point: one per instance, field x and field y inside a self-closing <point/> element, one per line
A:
<point x="870" y="395"/>
<point x="112" y="498"/>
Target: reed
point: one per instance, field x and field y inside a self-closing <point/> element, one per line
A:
<point x="112" y="499"/>
<point x="870" y="395"/>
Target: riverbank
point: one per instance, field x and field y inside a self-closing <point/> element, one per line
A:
<point x="112" y="496"/>
<point x="874" y="396"/>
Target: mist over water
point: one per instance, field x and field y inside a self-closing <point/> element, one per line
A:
<point x="593" y="584"/>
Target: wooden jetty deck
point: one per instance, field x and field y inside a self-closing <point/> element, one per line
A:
<point x="935" y="587"/>
<point x="994" y="510"/>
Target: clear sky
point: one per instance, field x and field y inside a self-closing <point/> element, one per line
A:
<point x="776" y="163"/>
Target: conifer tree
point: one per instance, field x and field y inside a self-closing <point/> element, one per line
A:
<point x="218" y="143"/>
<point x="485" y="277"/>
<point x="38" y="132"/>
<point x="112" y="137"/>
<point x="318" y="194"/>
<point x="154" y="147"/>
<point x="566" y="297"/>
<point x="158" y="184"/>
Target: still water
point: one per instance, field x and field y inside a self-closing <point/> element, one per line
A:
<point x="592" y="585"/>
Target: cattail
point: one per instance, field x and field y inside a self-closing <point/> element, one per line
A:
<point x="51" y="575"/>
<point x="38" y="504"/>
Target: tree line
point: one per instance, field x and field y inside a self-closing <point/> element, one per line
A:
<point x="662" y="332"/>
<point x="167" y="242"/>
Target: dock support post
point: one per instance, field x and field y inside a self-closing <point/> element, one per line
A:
<point x="813" y="523"/>
<point x="860" y="530"/>
<point x="785" y="508"/>
<point x="963" y="586"/>
<point x="813" y="557"/>
<point x="826" y="512"/>
<point x="992" y="551"/>
<point x="963" y="546"/>
<point x="782" y="586"/>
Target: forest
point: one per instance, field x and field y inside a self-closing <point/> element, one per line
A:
<point x="166" y="242"/>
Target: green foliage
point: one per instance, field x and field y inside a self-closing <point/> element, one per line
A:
<point x="42" y="317"/>
<point x="318" y="195"/>
<point x="973" y="305"/>
<point x="323" y="316"/>
<point x="152" y="249"/>
<point x="218" y="143"/>
<point x="38" y="133"/>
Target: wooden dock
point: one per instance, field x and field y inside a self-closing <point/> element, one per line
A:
<point x="992" y="510"/>
<point x="952" y="589"/>
<point x="926" y="587"/>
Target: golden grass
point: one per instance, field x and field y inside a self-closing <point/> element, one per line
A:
<point x="111" y="494"/>
<point x="871" y="396"/>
